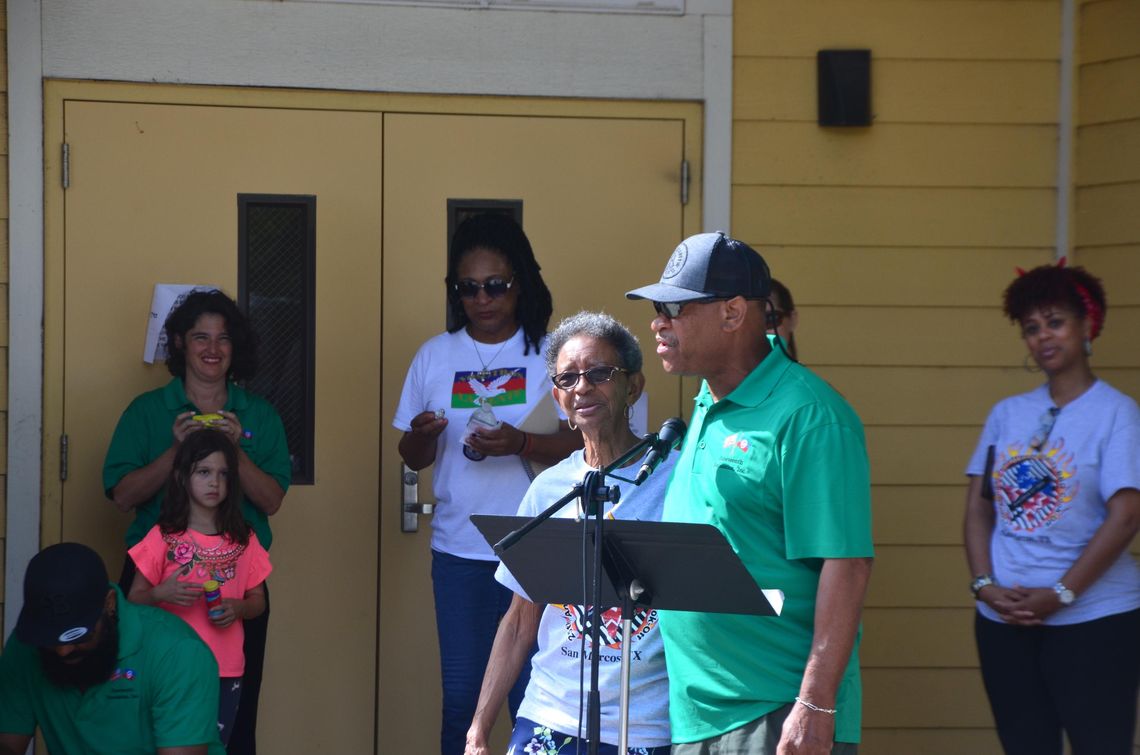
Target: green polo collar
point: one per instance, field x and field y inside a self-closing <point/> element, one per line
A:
<point x="758" y="385"/>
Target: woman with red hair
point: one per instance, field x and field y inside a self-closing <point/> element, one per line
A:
<point x="1053" y="503"/>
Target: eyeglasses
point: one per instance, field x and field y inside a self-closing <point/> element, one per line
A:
<point x="672" y="309"/>
<point x="600" y="374"/>
<point x="495" y="287"/>
<point x="776" y="318"/>
<point x="1041" y="437"/>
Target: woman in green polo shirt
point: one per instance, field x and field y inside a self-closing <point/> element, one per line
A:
<point x="211" y="347"/>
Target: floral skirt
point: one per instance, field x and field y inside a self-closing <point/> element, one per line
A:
<point x="531" y="738"/>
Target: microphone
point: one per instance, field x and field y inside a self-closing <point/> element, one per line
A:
<point x="672" y="430"/>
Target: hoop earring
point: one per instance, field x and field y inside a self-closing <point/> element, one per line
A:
<point x="1027" y="362"/>
<point x="1088" y="347"/>
<point x="572" y="425"/>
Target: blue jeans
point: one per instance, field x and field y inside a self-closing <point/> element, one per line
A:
<point x="468" y="606"/>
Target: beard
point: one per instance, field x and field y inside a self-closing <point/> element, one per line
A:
<point x="85" y="668"/>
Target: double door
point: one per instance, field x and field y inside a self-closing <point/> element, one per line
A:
<point x="154" y="177"/>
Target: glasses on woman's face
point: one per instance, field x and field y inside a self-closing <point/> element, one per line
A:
<point x="600" y="374"/>
<point x="494" y="287"/>
<point x="672" y="309"/>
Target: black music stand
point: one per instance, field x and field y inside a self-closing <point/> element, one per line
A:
<point x="661" y="565"/>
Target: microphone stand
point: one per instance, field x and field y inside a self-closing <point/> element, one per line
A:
<point x="594" y="494"/>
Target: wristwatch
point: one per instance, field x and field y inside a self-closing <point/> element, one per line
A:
<point x="1064" y="594"/>
<point x="980" y="581"/>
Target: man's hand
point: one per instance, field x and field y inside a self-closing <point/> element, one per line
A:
<point x="807" y="732"/>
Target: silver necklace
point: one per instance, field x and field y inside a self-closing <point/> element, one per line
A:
<point x="487" y="365"/>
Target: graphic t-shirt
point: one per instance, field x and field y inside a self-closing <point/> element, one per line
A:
<point x="552" y="696"/>
<point x="1053" y="472"/>
<point x="453" y="373"/>
<point x="237" y="567"/>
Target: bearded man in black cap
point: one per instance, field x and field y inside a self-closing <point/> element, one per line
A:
<point x="97" y="674"/>
<point x="777" y="461"/>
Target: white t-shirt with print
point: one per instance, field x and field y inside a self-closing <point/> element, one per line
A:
<point x="552" y="696"/>
<point x="1050" y="502"/>
<point x="452" y="373"/>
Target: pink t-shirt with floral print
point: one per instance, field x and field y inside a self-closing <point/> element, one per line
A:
<point x="238" y="568"/>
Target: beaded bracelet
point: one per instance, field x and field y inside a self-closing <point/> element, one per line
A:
<point x="816" y="708"/>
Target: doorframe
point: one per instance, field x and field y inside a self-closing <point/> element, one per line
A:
<point x="35" y="511"/>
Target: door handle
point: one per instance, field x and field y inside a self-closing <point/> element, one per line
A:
<point x="410" y="506"/>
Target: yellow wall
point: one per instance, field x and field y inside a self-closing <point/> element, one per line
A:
<point x="897" y="241"/>
<point x="1107" y="177"/>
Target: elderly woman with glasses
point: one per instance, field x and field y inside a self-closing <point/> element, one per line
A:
<point x="595" y="365"/>
<point x="1053" y="503"/>
<point x="465" y="395"/>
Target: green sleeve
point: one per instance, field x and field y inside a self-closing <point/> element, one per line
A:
<point x="827" y="493"/>
<point x="17" y="716"/>
<point x="185" y="704"/>
<point x="128" y="449"/>
<point x="271" y="451"/>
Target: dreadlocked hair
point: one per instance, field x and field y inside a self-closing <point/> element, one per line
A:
<point x="174" y="515"/>
<point x="1072" y="288"/>
<point x="499" y="233"/>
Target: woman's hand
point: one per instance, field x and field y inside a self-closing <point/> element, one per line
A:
<point x="505" y="440"/>
<point x="170" y="590"/>
<point x="1023" y="606"/>
<point x="428" y="425"/>
<point x="184" y="424"/>
<point x="230" y="425"/>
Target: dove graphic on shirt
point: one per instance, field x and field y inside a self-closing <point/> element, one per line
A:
<point x="487" y="391"/>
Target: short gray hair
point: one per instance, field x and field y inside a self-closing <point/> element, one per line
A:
<point x="597" y="325"/>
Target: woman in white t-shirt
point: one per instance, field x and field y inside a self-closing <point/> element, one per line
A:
<point x="595" y="365"/>
<point x="1053" y="503"/>
<point x="466" y="394"/>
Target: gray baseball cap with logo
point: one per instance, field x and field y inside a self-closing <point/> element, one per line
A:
<point x="709" y="265"/>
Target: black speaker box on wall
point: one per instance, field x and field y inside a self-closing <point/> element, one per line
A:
<point x="844" y="82"/>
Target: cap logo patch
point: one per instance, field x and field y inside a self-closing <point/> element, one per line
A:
<point x="676" y="262"/>
<point x="73" y="634"/>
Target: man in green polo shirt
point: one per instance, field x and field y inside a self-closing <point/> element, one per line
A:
<point x="777" y="461"/>
<point x="98" y="674"/>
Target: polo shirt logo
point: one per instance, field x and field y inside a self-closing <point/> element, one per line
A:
<point x="735" y="441"/>
<point x="123" y="673"/>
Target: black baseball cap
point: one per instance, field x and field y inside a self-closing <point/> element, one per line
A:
<point x="65" y="590"/>
<point x="709" y="265"/>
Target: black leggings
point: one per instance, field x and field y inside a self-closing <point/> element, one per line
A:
<point x="1080" y="679"/>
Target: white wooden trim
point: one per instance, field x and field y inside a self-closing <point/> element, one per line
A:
<point x="25" y="299"/>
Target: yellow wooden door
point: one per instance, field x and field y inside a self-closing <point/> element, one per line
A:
<point x="352" y="663"/>
<point x="153" y="198"/>
<point x="602" y="208"/>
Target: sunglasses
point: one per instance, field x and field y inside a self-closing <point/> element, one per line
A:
<point x="672" y="309"/>
<point x="594" y="375"/>
<point x="495" y="287"/>
<point x="1041" y="437"/>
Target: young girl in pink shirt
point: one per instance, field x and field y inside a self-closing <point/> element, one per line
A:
<point x="201" y="536"/>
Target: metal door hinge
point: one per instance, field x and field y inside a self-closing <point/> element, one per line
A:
<point x="65" y="164"/>
<point x="63" y="457"/>
<point x="684" y="182"/>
